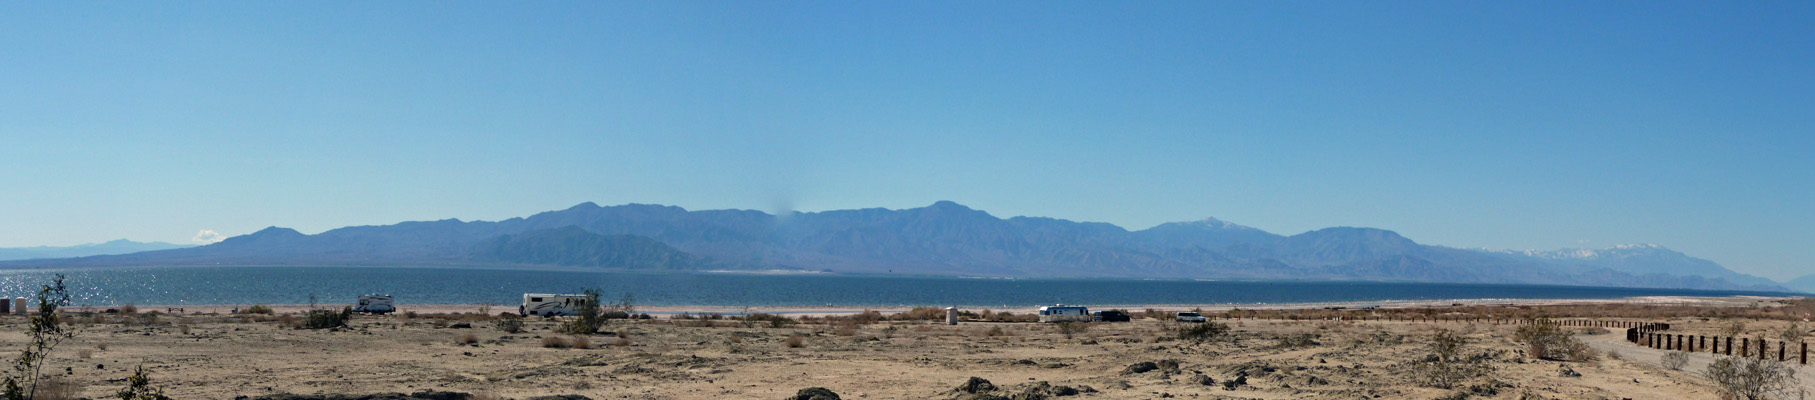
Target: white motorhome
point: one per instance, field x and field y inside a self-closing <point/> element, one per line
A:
<point x="375" y="304"/>
<point x="549" y="305"/>
<point x="1064" y="313"/>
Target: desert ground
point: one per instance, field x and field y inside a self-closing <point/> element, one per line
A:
<point x="206" y="354"/>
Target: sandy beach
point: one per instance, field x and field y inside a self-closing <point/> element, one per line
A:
<point x="203" y="354"/>
<point x="1732" y="301"/>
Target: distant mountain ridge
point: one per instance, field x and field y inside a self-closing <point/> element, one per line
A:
<point x="944" y="238"/>
<point x="121" y="246"/>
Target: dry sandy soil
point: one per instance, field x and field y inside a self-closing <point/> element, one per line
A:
<point x="224" y="356"/>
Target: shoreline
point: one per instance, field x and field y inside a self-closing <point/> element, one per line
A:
<point x="831" y="310"/>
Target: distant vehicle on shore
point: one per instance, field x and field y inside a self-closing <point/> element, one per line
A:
<point x="1191" y="316"/>
<point x="551" y="305"/>
<point x="1111" y="316"/>
<point x="1064" y="313"/>
<point x="375" y="304"/>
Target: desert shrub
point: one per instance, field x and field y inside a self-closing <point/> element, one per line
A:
<point x="184" y="328"/>
<point x="794" y="342"/>
<point x="1546" y="340"/>
<point x="85" y="354"/>
<point x="324" y="319"/>
<point x="1752" y="379"/>
<point x="921" y="313"/>
<point x="1069" y="328"/>
<point x="45" y="330"/>
<point x="555" y="342"/>
<point x="1674" y="360"/>
<point x="1792" y="333"/>
<point x="621" y="342"/>
<point x="590" y="317"/>
<point x="1448" y="363"/>
<point x="129" y="309"/>
<point x="1203" y="331"/>
<point x="846" y="330"/>
<point x="775" y="321"/>
<point x="995" y="331"/>
<point x="510" y="325"/>
<point x="1614" y="355"/>
<point x="581" y="342"/>
<point x="1734" y="329"/>
<point x="465" y="339"/>
<point x="257" y="309"/>
<point x="59" y="388"/>
<point x="1297" y="340"/>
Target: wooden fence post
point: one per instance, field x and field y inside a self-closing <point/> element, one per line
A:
<point x="1745" y="347"/>
<point x="1729" y="345"/>
<point x="1805" y="353"/>
<point x="1780" y="350"/>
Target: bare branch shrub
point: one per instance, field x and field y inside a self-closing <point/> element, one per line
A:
<point x="1752" y="379"/>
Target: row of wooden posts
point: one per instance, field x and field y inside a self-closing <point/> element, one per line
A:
<point x="1648" y="334"/>
<point x="1653" y="337"/>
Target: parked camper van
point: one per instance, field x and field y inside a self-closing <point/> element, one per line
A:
<point x="550" y="305"/>
<point x="1191" y="316"/>
<point x="1063" y="313"/>
<point x="375" y="304"/>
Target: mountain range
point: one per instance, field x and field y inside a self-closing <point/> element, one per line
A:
<point x="121" y="246"/>
<point x="945" y="238"/>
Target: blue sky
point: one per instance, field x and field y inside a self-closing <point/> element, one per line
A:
<point x="1522" y="125"/>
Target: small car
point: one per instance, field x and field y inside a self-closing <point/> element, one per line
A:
<point x="1110" y="316"/>
<point x="1191" y="316"/>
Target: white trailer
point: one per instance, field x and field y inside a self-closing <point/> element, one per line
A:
<point x="1064" y="313"/>
<point x="375" y="304"/>
<point x="549" y="305"/>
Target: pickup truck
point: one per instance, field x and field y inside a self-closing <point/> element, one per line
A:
<point x="1190" y="316"/>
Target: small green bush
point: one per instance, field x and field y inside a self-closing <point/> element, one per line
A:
<point x="510" y="325"/>
<point x="324" y="319"/>
<point x="1203" y="331"/>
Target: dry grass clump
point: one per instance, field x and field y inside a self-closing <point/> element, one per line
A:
<point x="466" y="339"/>
<point x="183" y="328"/>
<point x="1546" y="340"/>
<point x="621" y="342"/>
<point x="794" y="342"/>
<point x="582" y="342"/>
<point x="1674" y="360"/>
<point x="85" y="354"/>
<point x="1005" y="316"/>
<point x="555" y="342"/>
<point x="129" y="309"/>
<point x="56" y="387"/>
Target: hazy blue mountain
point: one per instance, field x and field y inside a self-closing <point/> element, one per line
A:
<point x="944" y="238"/>
<point x="572" y="246"/>
<point x="1641" y="259"/>
<point x="121" y="246"/>
<point x="1805" y="284"/>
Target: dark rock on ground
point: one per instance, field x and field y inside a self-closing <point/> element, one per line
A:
<point x="422" y="395"/>
<point x="815" y="393"/>
<point x="1140" y="367"/>
<point x="976" y="385"/>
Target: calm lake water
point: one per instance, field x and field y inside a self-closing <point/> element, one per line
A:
<point x="339" y="285"/>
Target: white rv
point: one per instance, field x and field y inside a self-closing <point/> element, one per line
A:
<point x="549" y="305"/>
<point x="1063" y="313"/>
<point x="375" y="304"/>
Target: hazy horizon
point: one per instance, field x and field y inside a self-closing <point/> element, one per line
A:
<point x="1523" y="126"/>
